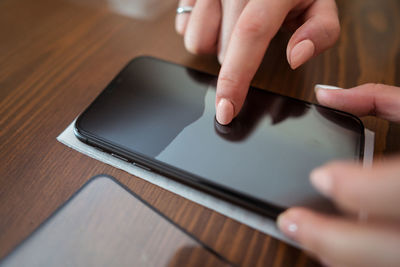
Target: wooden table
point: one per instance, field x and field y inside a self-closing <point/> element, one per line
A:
<point x="57" y="55"/>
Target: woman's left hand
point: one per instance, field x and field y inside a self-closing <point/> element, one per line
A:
<point x="347" y="241"/>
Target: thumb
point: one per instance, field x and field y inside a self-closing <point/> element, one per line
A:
<point x="369" y="99"/>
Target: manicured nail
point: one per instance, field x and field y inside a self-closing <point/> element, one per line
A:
<point x="287" y="225"/>
<point x="301" y="53"/>
<point x="225" y="111"/>
<point x="327" y="87"/>
<point x="322" y="181"/>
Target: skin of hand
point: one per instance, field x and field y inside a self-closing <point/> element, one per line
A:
<point x="239" y="31"/>
<point x="346" y="240"/>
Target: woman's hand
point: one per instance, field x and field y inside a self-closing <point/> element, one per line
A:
<point x="240" y="32"/>
<point x="346" y="241"/>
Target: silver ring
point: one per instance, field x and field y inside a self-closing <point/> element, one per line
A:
<point x="184" y="9"/>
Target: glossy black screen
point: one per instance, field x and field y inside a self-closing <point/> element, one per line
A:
<point x="165" y="113"/>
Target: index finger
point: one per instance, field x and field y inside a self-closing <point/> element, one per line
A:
<point x="257" y="25"/>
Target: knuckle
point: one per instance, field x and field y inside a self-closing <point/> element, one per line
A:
<point x="336" y="31"/>
<point x="332" y="29"/>
<point x="375" y="86"/>
<point x="227" y="81"/>
<point x="251" y="27"/>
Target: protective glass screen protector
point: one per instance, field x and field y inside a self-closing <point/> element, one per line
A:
<point x="104" y="224"/>
<point x="165" y="114"/>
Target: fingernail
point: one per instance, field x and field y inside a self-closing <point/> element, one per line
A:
<point x="327" y="87"/>
<point x="225" y="111"/>
<point x="322" y="181"/>
<point x="287" y="224"/>
<point x="301" y="53"/>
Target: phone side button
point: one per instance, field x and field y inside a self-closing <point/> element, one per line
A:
<point x="141" y="166"/>
<point x="119" y="157"/>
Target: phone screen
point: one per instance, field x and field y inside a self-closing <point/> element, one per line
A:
<point x="163" y="114"/>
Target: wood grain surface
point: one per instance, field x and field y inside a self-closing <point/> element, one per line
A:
<point x="56" y="56"/>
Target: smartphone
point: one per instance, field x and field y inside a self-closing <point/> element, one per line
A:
<point x="105" y="224"/>
<point x="161" y="117"/>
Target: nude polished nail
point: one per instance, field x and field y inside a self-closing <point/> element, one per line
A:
<point x="301" y="52"/>
<point x="225" y="111"/>
<point x="287" y="225"/>
<point x="326" y="87"/>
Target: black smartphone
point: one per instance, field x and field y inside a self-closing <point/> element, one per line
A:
<point x="161" y="116"/>
<point x="106" y="224"/>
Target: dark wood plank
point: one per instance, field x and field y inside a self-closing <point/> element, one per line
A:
<point x="56" y="56"/>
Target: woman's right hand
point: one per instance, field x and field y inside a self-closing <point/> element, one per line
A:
<point x="239" y="31"/>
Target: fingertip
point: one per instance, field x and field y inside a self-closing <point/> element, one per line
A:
<point x="303" y="226"/>
<point x="225" y="111"/>
<point x="189" y="42"/>
<point x="196" y="44"/>
<point x="221" y="56"/>
<point x="323" y="92"/>
<point x="289" y="222"/>
<point x="181" y="22"/>
<point x="321" y="179"/>
<point x="300" y="53"/>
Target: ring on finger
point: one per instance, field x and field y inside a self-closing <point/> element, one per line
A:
<point x="184" y="9"/>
